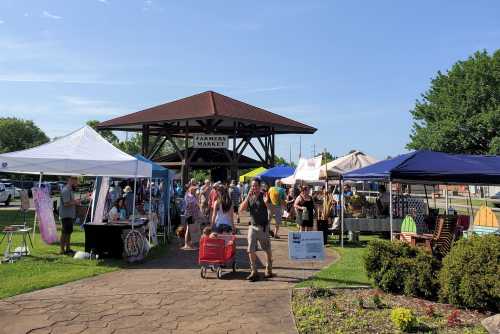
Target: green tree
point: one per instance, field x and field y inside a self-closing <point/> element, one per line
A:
<point x="460" y="113"/>
<point x="327" y="157"/>
<point x="18" y="134"/>
<point x="107" y="134"/>
<point x="131" y="146"/>
<point x="280" y="161"/>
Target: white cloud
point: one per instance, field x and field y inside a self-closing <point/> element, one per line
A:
<point x="2" y="21"/>
<point x="89" y="108"/>
<point x="103" y="1"/>
<point x="62" y="78"/>
<point x="48" y="15"/>
<point x="26" y="14"/>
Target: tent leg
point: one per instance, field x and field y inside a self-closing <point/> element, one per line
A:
<point x="390" y="207"/>
<point x="447" y="200"/>
<point x="341" y="213"/>
<point x="34" y="221"/>
<point x="150" y="204"/>
<point x="133" y="202"/>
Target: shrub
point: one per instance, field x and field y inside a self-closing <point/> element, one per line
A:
<point x="403" y="319"/>
<point x="454" y="319"/>
<point x="399" y="267"/>
<point x="469" y="277"/>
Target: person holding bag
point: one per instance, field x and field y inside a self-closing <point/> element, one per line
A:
<point x="304" y="207"/>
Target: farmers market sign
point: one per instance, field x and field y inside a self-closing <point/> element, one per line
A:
<point x="210" y="141"/>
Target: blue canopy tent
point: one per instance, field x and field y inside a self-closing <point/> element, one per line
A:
<point x="276" y="173"/>
<point x="428" y="167"/>
<point x="433" y="167"/>
<point x="160" y="172"/>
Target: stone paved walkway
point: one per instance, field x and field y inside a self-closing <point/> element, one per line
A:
<point x="165" y="296"/>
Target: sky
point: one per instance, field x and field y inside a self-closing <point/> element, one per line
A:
<point x="351" y="69"/>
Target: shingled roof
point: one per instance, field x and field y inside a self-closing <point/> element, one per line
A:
<point x="207" y="105"/>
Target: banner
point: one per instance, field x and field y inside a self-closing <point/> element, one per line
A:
<point x="306" y="246"/>
<point x="45" y="214"/>
<point x="210" y="141"/>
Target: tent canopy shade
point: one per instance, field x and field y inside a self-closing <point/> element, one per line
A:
<point x="83" y="152"/>
<point x="433" y="167"/>
<point x="276" y="173"/>
<point x="157" y="170"/>
<point x="251" y="174"/>
<point x="349" y="162"/>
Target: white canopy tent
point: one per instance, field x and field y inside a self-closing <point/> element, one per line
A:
<point x="307" y="171"/>
<point x="351" y="161"/>
<point x="83" y="152"/>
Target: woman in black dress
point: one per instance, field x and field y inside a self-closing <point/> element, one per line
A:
<point x="305" y="210"/>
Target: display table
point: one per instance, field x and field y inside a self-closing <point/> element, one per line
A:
<point x="372" y="224"/>
<point x="8" y="233"/>
<point x="106" y="239"/>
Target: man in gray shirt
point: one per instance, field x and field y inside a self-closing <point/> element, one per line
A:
<point x="67" y="213"/>
<point x="257" y="202"/>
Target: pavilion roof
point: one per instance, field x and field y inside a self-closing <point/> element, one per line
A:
<point x="205" y="106"/>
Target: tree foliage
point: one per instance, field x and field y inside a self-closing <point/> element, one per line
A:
<point x="18" y="134"/>
<point x="460" y="113"/>
<point x="107" y="134"/>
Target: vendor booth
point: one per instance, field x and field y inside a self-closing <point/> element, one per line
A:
<point x="424" y="167"/>
<point x="276" y="173"/>
<point x="251" y="174"/>
<point x="355" y="160"/>
<point x="81" y="153"/>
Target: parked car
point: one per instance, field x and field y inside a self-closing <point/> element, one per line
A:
<point x="7" y="193"/>
<point x="497" y="197"/>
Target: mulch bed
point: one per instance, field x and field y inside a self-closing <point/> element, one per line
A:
<point x="356" y="311"/>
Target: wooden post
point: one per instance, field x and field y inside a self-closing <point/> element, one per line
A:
<point x="234" y="163"/>
<point x="185" y="164"/>
<point x="145" y="140"/>
<point x="272" y="149"/>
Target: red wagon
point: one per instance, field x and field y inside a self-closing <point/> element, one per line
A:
<point x="217" y="253"/>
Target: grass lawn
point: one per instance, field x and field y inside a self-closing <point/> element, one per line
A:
<point x="347" y="271"/>
<point x="44" y="267"/>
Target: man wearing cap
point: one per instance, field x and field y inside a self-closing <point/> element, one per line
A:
<point x="67" y="213"/>
<point x="257" y="202"/>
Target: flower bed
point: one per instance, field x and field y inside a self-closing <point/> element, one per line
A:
<point x="369" y="311"/>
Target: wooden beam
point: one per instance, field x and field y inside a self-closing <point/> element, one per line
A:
<point x="145" y="140"/>
<point x="256" y="152"/>
<point x="155" y="150"/>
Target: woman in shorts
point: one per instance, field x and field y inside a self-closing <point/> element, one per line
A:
<point x="222" y="212"/>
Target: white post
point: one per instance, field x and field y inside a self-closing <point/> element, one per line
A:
<point x="34" y="222"/>
<point x="390" y="207"/>
<point x="341" y="213"/>
<point x="447" y="199"/>
<point x="133" y="201"/>
<point x="94" y="192"/>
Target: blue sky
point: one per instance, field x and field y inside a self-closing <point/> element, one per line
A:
<point x="352" y="69"/>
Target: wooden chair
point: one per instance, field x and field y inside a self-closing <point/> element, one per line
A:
<point x="444" y="235"/>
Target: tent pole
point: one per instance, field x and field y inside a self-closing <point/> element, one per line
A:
<point x="446" y="198"/>
<point x="390" y="207"/>
<point x="471" y="207"/>
<point x="150" y="204"/>
<point x="94" y="193"/>
<point x="133" y="203"/>
<point x="341" y="212"/>
<point x="426" y="197"/>
<point x="34" y="221"/>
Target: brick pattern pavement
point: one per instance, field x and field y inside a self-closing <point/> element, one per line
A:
<point x="166" y="295"/>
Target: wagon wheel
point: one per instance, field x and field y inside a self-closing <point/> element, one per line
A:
<point x="203" y="272"/>
<point x="234" y="266"/>
<point x="219" y="273"/>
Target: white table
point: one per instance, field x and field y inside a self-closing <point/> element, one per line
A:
<point x="372" y="224"/>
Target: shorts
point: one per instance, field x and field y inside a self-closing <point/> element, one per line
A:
<point x="223" y="228"/>
<point x="67" y="225"/>
<point x="189" y="220"/>
<point x="236" y="208"/>
<point x="301" y="222"/>
<point x="277" y="213"/>
<point x="260" y="234"/>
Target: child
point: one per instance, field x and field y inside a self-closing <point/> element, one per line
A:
<point x="207" y="233"/>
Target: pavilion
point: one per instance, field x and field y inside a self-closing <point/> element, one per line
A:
<point x="201" y="128"/>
